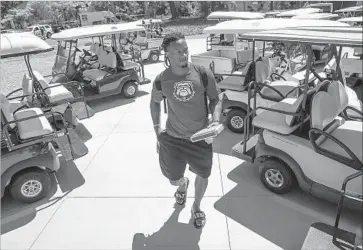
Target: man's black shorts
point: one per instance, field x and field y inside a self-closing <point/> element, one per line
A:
<point x="175" y="154"/>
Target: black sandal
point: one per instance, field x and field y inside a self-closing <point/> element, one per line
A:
<point x="181" y="197"/>
<point x="199" y="216"/>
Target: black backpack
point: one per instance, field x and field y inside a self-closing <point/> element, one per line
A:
<point x="204" y="78"/>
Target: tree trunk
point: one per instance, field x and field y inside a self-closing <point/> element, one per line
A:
<point x="174" y="13"/>
<point x="204" y="7"/>
<point x="271" y="5"/>
<point x="213" y="6"/>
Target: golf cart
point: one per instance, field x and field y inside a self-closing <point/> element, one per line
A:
<point x="215" y="42"/>
<point x="310" y="140"/>
<point x="231" y="15"/>
<point x="318" y="16"/>
<point x="152" y="27"/>
<point x="102" y="70"/>
<point x="297" y="12"/>
<point x="352" y="21"/>
<point x="37" y="92"/>
<point x="32" y="138"/>
<point x="285" y="138"/>
<point x="145" y="44"/>
<point x="355" y="11"/>
<point x="234" y="69"/>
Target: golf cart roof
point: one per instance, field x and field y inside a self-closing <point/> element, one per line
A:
<point x="243" y="26"/>
<point x="147" y="21"/>
<point x="321" y="16"/>
<point x="351" y="9"/>
<point x="20" y="44"/>
<point x="272" y="13"/>
<point x="351" y="19"/>
<point x="352" y="39"/>
<point x="244" y="15"/>
<point x="303" y="11"/>
<point x="341" y="29"/>
<point x="96" y="30"/>
<point x="313" y="5"/>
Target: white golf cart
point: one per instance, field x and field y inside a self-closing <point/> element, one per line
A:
<point x="296" y="131"/>
<point x="297" y="12"/>
<point x="216" y="41"/>
<point x="318" y="16"/>
<point x="354" y="11"/>
<point x="103" y="70"/>
<point x="232" y="15"/>
<point x="146" y="44"/>
<point x="36" y="91"/>
<point x="32" y="139"/>
<point x="310" y="140"/>
<point x="352" y="21"/>
<point x="233" y="67"/>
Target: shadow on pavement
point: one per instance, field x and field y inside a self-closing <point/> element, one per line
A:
<point x="172" y="235"/>
<point x="113" y="101"/>
<point x="16" y="214"/>
<point x="282" y="219"/>
<point x="224" y="142"/>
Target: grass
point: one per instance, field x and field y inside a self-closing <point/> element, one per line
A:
<point x="189" y="26"/>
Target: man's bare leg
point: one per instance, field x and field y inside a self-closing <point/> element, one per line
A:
<point x="200" y="188"/>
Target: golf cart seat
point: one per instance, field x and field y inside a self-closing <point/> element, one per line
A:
<point x="106" y="61"/>
<point x="264" y="72"/>
<point x="238" y="83"/>
<point x="130" y="65"/>
<point x="32" y="128"/>
<point x="326" y="106"/>
<point x="283" y="123"/>
<point x="56" y="93"/>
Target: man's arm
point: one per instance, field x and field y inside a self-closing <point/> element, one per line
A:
<point x="155" y="115"/>
<point x="213" y="92"/>
<point x="156" y="98"/>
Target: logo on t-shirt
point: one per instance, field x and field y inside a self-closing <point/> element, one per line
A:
<point x="184" y="91"/>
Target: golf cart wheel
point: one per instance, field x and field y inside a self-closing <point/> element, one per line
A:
<point x="276" y="176"/>
<point x="30" y="186"/>
<point x="49" y="35"/>
<point x="129" y="90"/>
<point x="235" y="120"/>
<point x="154" y="56"/>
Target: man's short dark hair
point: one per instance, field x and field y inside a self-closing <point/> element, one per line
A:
<point x="172" y="37"/>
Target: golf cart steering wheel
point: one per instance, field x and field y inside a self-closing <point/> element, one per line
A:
<point x="86" y="53"/>
<point x="130" y="41"/>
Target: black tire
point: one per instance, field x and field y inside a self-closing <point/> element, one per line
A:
<point x="129" y="89"/>
<point x="41" y="178"/>
<point x="49" y="35"/>
<point x="154" y="56"/>
<point x="284" y="180"/>
<point x="235" y="120"/>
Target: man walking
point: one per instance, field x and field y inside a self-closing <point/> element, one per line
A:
<point x="187" y="88"/>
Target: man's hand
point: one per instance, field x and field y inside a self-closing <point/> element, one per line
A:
<point x="213" y="123"/>
<point x="210" y="140"/>
<point x="158" y="129"/>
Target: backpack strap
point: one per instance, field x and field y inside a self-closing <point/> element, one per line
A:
<point x="158" y="87"/>
<point x="204" y="77"/>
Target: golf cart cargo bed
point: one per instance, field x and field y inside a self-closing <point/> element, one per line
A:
<point x="225" y="61"/>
